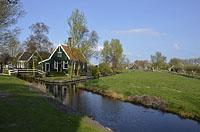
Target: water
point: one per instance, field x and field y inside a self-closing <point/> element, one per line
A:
<point x="121" y="116"/>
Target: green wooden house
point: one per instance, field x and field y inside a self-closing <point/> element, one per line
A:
<point x="65" y="60"/>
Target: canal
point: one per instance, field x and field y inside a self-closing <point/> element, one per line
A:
<point x="121" y="116"/>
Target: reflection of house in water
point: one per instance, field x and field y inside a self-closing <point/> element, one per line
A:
<point x="67" y="94"/>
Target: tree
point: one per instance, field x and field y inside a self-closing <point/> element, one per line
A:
<point x="89" y="45"/>
<point x="141" y="64"/>
<point x="10" y="11"/>
<point x="106" y="53"/>
<point x="112" y="53"/>
<point x="78" y="30"/>
<point x="116" y="53"/>
<point x="38" y="40"/>
<point x="158" y="61"/>
<point x="176" y="65"/>
<point x="81" y="37"/>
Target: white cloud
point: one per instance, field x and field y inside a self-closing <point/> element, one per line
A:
<point x="177" y="46"/>
<point x="138" y="31"/>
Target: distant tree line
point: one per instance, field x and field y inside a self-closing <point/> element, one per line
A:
<point x="159" y="62"/>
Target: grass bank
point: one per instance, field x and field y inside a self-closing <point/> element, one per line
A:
<point x="22" y="109"/>
<point x="160" y="90"/>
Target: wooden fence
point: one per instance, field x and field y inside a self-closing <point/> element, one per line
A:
<point x="18" y="71"/>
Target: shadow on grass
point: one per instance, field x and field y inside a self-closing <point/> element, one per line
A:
<point x="26" y="110"/>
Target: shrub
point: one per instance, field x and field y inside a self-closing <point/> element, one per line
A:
<point x="104" y="69"/>
<point x="177" y="69"/>
<point x="192" y="69"/>
<point x="95" y="71"/>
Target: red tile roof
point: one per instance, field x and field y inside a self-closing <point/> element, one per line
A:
<point x="74" y="53"/>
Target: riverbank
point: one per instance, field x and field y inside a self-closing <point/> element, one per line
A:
<point x="24" y="109"/>
<point x="158" y="90"/>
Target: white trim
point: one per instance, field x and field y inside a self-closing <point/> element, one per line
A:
<point x="20" y="55"/>
<point x="55" y="64"/>
<point x="54" y="53"/>
<point x="74" y="65"/>
<point x="59" y="55"/>
<point x="39" y="54"/>
<point x="64" y="51"/>
<point x="64" y="65"/>
<point x="29" y="57"/>
<point x="46" y="67"/>
<point x="83" y="66"/>
<point x="49" y="56"/>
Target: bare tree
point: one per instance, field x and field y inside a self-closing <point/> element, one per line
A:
<point x="82" y="38"/>
<point x="38" y="40"/>
<point x="158" y="61"/>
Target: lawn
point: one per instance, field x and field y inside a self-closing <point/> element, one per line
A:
<point x="181" y="94"/>
<point x="24" y="110"/>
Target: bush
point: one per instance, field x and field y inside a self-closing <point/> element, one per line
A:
<point x="117" y="71"/>
<point x="95" y="71"/>
<point x="192" y="69"/>
<point x="104" y="69"/>
<point x="177" y="69"/>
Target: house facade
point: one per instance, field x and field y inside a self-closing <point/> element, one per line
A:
<point x="65" y="59"/>
<point x="28" y="60"/>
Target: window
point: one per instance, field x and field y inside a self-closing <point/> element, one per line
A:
<point x="55" y="65"/>
<point x="83" y="65"/>
<point x="74" y="65"/>
<point x="59" y="54"/>
<point x="65" y="65"/>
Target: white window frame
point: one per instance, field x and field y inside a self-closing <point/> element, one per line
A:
<point x="46" y="67"/>
<point x="64" y="63"/>
<point x="74" y="65"/>
<point x="83" y="66"/>
<point x="59" y="54"/>
<point x="55" y="64"/>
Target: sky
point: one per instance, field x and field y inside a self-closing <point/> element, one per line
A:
<point x="143" y="26"/>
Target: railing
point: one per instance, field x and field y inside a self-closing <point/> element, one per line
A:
<point x="16" y="71"/>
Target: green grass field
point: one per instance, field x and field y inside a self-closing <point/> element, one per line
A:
<point x="22" y="110"/>
<point x="182" y="94"/>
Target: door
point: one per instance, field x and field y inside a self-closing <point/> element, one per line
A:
<point x="59" y="66"/>
<point x="47" y="67"/>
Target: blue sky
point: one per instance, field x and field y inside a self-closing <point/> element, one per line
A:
<point x="143" y="26"/>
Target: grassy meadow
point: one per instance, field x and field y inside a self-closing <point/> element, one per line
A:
<point x="181" y="94"/>
<point x="24" y="110"/>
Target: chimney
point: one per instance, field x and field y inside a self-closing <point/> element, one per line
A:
<point x="70" y="42"/>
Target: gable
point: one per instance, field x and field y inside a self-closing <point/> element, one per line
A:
<point x="59" y="51"/>
<point x="25" y="56"/>
<point x="54" y="55"/>
<point x="68" y="53"/>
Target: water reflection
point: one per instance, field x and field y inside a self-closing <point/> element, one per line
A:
<point x="118" y="115"/>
